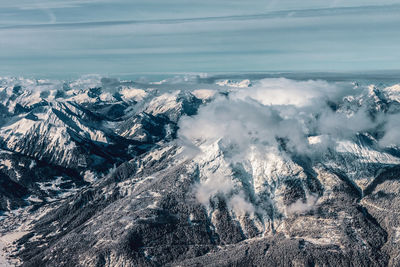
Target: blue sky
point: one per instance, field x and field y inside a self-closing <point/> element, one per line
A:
<point x="118" y="37"/>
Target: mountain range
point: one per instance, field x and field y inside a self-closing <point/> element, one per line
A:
<point x="183" y="172"/>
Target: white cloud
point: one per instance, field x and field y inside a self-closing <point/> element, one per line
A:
<point x="301" y="206"/>
<point x="306" y="118"/>
<point x="212" y="186"/>
<point x="392" y="131"/>
<point x="224" y="186"/>
<point x="240" y="205"/>
<point x="281" y="91"/>
<point x="270" y="111"/>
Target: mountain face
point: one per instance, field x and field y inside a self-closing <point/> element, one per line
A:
<point x="273" y="172"/>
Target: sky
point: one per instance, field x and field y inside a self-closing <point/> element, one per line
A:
<point x="119" y="37"/>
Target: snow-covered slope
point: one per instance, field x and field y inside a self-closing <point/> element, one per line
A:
<point x="270" y="172"/>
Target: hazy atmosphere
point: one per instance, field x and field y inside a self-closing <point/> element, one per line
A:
<point x="73" y="37"/>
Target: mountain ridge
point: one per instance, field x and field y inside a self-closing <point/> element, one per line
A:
<point x="271" y="171"/>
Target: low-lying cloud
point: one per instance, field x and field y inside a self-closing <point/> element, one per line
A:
<point x="272" y="111"/>
<point x="295" y="117"/>
<point x="223" y="185"/>
<point x="302" y="206"/>
<point x="217" y="184"/>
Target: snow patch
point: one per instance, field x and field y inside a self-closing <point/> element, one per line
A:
<point x="230" y="83"/>
<point x="6" y="163"/>
<point x="204" y="94"/>
<point x="89" y="176"/>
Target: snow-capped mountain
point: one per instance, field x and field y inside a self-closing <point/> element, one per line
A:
<point x="102" y="172"/>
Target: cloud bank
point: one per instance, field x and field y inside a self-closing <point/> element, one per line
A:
<point x="278" y="110"/>
<point x="305" y="119"/>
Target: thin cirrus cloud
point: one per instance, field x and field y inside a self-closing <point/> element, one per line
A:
<point x="42" y="37"/>
<point x="302" y="13"/>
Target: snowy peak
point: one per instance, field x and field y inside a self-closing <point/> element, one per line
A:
<point x="181" y="172"/>
<point x="174" y="105"/>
